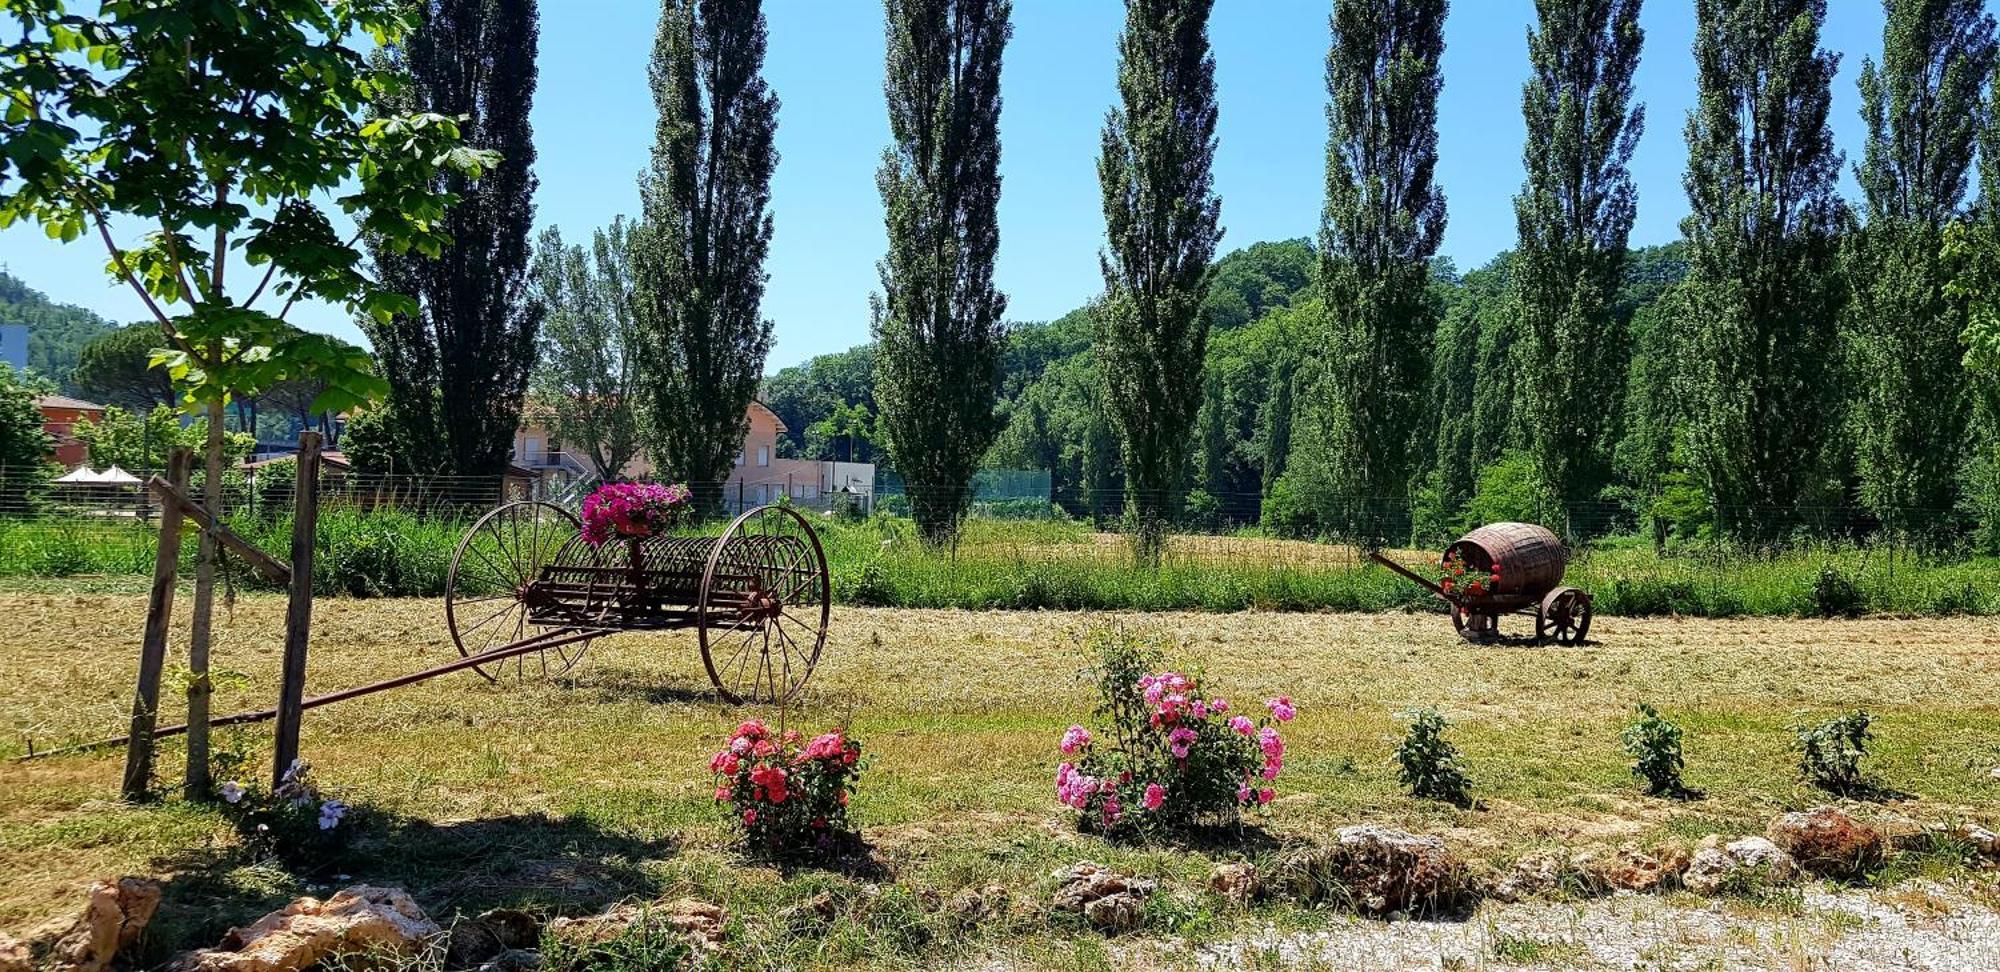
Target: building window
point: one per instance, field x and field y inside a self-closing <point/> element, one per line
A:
<point x="763" y="455"/>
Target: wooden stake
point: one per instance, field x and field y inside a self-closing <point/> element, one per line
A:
<point x="298" y="610"/>
<point x="153" y="649"/>
<point x="196" y="781"/>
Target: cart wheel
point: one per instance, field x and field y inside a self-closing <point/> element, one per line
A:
<point x="491" y="586"/>
<point x="1564" y="616"/>
<point x="763" y="606"/>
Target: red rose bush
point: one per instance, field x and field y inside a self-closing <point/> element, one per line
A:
<point x="787" y="793"/>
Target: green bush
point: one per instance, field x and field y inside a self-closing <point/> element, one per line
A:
<point x="1830" y="753"/>
<point x="1835" y="595"/>
<point x="1429" y="763"/>
<point x="1655" y="747"/>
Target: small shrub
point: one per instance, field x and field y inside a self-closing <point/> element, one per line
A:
<point x="1429" y="763"/>
<point x="1835" y="595"/>
<point x="1830" y="753"/>
<point x="1655" y="747"/>
<point x="1175" y="757"/>
<point x="1962" y="599"/>
<point x="788" y="795"/>
<point x="293" y="823"/>
<point x="871" y="588"/>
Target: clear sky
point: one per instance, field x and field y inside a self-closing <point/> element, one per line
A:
<point x="593" y="125"/>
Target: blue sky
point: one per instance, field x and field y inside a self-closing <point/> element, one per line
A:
<point x="593" y="125"/>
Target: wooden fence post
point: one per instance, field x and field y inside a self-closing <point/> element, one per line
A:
<point x="153" y="649"/>
<point x="298" y="609"/>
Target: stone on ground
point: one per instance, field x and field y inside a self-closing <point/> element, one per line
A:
<point x="704" y="925"/>
<point x="115" y="913"/>
<point x="1716" y="866"/>
<point x="1378" y="870"/>
<point x="1237" y="881"/>
<point x="362" y="919"/>
<point x="1826" y="841"/>
<point x="1110" y="901"/>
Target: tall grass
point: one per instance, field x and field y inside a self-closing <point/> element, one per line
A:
<point x="1056" y="564"/>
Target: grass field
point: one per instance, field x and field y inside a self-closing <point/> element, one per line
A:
<point x="1066" y="565"/>
<point x="571" y="794"/>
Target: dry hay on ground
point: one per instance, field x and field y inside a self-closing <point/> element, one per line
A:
<point x="960" y="711"/>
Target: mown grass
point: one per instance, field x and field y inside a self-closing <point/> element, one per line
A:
<point x="567" y="795"/>
<point x="1063" y="565"/>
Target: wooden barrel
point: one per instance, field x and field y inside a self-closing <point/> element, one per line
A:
<point x="1530" y="558"/>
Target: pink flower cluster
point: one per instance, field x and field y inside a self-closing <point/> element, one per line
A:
<point x="633" y="510"/>
<point x="1158" y="757"/>
<point x="789" y="792"/>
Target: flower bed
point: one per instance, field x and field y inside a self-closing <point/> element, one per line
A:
<point x="1173" y="756"/>
<point x="788" y="794"/>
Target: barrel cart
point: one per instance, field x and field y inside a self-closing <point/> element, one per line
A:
<point x="526" y="596"/>
<point x="1529" y="562"/>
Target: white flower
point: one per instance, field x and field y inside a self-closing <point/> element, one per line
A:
<point x="232" y="792"/>
<point x="330" y="814"/>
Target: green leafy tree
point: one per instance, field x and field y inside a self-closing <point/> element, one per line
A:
<point x="1162" y="220"/>
<point x="587" y="386"/>
<point x="1925" y="108"/>
<point x="937" y="325"/>
<point x="117" y="368"/>
<point x="1383" y="220"/>
<point x="458" y="364"/>
<point x="1763" y="291"/>
<point x="140" y="440"/>
<point x="222" y="129"/>
<point x="1972" y="254"/>
<point x="24" y="447"/>
<point x="698" y="260"/>
<point x="843" y="434"/>
<point x="805" y="394"/>
<point x="1473" y="386"/>
<point x="1575" y="215"/>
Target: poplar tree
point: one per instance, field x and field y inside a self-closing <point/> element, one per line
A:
<point x="1763" y="292"/>
<point x="937" y="325"/>
<point x="1162" y="219"/>
<point x="1383" y="220"/>
<point x="1574" y="214"/>
<point x="458" y="366"/>
<point x="698" y="256"/>
<point x="1925" y="109"/>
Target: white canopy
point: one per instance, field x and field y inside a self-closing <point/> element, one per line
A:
<point x="85" y="476"/>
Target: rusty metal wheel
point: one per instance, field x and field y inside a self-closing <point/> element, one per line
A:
<point x="489" y="593"/>
<point x="763" y="606"/>
<point x="1563" y="616"/>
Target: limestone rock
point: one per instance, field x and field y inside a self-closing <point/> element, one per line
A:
<point x="1237" y="881"/>
<point x="704" y="925"/>
<point x="1110" y="901"/>
<point x="361" y="919"/>
<point x="115" y="913"/>
<point x="1987" y="842"/>
<point x="974" y="905"/>
<point x="1635" y="870"/>
<point x="1378" y="870"/>
<point x="1535" y="874"/>
<point x="1716" y="865"/>
<point x="1825" y="840"/>
<point x="14" y="956"/>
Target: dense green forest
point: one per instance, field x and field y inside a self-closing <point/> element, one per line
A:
<point x="1260" y="310"/>
<point x="56" y="332"/>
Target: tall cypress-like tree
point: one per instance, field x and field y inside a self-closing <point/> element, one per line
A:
<point x="1575" y="215"/>
<point x="698" y="258"/>
<point x="458" y="368"/>
<point x="937" y="326"/>
<point x="1162" y="218"/>
<point x="1925" y="109"/>
<point x="1763" y="290"/>
<point x="1383" y="221"/>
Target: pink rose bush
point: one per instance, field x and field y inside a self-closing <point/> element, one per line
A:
<point x="634" y="510"/>
<point x="1174" y="756"/>
<point x="787" y="793"/>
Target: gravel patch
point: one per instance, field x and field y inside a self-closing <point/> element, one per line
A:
<point x="1918" y="926"/>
